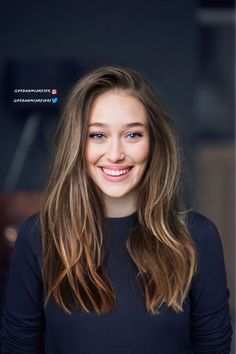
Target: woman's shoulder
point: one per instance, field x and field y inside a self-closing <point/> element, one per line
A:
<point x="32" y="221"/>
<point x="197" y="220"/>
<point x="203" y="231"/>
<point x="29" y="234"/>
<point x="31" y="225"/>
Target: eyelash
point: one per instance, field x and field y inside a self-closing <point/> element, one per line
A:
<point x="95" y="134"/>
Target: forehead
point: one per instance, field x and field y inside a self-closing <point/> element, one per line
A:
<point x="117" y="106"/>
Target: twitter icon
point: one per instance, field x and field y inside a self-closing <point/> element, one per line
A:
<point x="54" y="100"/>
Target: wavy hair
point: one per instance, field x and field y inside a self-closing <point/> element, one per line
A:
<point x="72" y="217"/>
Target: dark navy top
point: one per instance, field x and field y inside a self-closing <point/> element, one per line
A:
<point x="204" y="327"/>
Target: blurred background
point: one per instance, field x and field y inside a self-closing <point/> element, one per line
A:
<point x="186" y="49"/>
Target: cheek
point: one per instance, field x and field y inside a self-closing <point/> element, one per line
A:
<point x="90" y="158"/>
<point x="142" y="153"/>
<point x="91" y="154"/>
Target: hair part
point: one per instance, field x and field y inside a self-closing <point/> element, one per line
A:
<point x="72" y="217"/>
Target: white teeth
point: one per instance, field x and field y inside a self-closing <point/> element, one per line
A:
<point x="115" y="173"/>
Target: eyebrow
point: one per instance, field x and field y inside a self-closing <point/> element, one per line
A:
<point x="134" y="124"/>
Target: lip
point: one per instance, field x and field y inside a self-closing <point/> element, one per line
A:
<point x="116" y="168"/>
<point x="116" y="178"/>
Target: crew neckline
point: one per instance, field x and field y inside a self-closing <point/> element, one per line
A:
<point x="121" y="218"/>
<point x="121" y="225"/>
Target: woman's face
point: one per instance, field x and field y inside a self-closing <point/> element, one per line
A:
<point x="117" y="145"/>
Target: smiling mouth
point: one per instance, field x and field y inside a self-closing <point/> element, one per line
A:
<point x="115" y="173"/>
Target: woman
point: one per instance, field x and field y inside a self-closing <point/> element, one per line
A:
<point x="115" y="264"/>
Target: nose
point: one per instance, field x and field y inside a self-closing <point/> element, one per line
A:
<point x="115" y="151"/>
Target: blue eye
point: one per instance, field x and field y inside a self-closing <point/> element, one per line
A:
<point x="138" y="135"/>
<point x="96" y="136"/>
<point x="100" y="136"/>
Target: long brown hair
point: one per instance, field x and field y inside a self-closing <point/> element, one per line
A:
<point x="72" y="218"/>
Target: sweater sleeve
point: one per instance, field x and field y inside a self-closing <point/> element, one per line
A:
<point x="211" y="329"/>
<point x="23" y="319"/>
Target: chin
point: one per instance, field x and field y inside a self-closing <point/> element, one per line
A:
<point x="117" y="194"/>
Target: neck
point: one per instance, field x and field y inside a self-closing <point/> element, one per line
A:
<point x="119" y="207"/>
